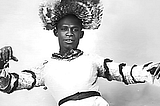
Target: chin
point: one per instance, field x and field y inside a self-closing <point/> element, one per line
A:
<point x="71" y="47"/>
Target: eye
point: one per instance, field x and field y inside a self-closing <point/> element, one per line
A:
<point x="63" y="28"/>
<point x="75" y="29"/>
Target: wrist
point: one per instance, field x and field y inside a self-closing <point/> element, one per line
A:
<point x="1" y="65"/>
<point x="4" y="72"/>
<point x="4" y="65"/>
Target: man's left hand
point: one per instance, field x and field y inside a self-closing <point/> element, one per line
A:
<point x="154" y="70"/>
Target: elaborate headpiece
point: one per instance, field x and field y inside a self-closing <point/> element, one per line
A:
<point x="88" y="11"/>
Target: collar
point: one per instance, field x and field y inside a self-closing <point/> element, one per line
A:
<point x="70" y="55"/>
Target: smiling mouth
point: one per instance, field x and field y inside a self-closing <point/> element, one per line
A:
<point x="68" y="41"/>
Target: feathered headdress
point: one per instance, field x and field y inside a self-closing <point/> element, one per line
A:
<point x="88" y="11"/>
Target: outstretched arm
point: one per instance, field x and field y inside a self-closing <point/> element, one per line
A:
<point x="127" y="74"/>
<point x="27" y="79"/>
<point x="31" y="78"/>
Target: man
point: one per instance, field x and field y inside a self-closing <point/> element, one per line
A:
<point x="71" y="75"/>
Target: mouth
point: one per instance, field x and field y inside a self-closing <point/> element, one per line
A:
<point x="68" y="41"/>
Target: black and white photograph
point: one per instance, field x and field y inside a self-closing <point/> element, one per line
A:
<point x="79" y="53"/>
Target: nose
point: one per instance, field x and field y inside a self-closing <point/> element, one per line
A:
<point x="69" y="32"/>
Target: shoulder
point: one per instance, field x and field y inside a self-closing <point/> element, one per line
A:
<point x="40" y="66"/>
<point x="94" y="57"/>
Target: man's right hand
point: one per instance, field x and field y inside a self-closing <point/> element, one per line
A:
<point x="6" y="54"/>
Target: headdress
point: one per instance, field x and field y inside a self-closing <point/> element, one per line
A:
<point x="88" y="11"/>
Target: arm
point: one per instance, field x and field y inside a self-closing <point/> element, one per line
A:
<point x="31" y="78"/>
<point x="123" y="73"/>
<point x="27" y="79"/>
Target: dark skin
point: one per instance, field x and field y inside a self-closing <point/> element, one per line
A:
<point x="6" y="54"/>
<point x="69" y="32"/>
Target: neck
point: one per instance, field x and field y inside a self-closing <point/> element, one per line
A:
<point x="63" y="51"/>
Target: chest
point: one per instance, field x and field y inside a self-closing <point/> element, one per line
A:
<point x="81" y="70"/>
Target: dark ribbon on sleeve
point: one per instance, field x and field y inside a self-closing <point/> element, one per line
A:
<point x="15" y="83"/>
<point x="107" y="74"/>
<point x="8" y="88"/>
<point x="120" y="71"/>
<point x="133" y="76"/>
<point x="33" y="76"/>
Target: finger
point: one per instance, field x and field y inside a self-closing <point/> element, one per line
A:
<point x="152" y="70"/>
<point x="157" y="70"/>
<point x="3" y="55"/>
<point x="6" y="55"/>
<point x="158" y="75"/>
<point x="1" y="60"/>
<point x="10" y="52"/>
<point x="14" y="58"/>
<point x="11" y="57"/>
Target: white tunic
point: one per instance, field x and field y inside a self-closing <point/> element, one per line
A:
<point x="64" y="78"/>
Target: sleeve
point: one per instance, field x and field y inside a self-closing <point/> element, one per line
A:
<point x="123" y="73"/>
<point x="26" y="79"/>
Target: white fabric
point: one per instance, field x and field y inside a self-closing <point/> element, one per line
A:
<point x="64" y="78"/>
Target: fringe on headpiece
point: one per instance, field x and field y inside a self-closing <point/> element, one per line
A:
<point x="88" y="11"/>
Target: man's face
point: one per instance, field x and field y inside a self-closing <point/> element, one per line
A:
<point x="69" y="31"/>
